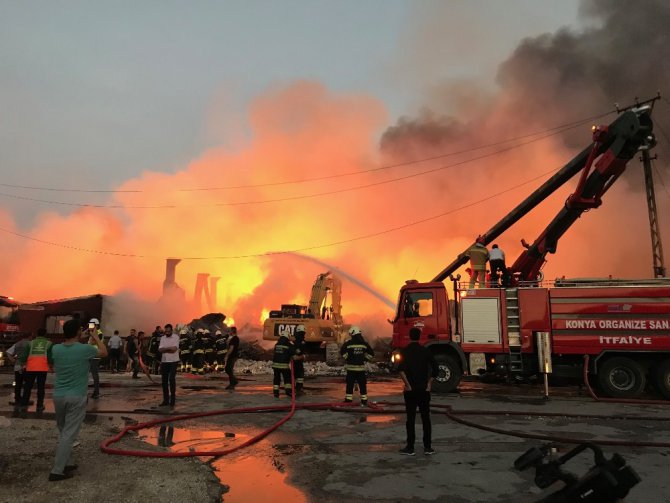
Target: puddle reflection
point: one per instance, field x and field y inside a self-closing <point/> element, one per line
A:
<point x="255" y="479"/>
<point x="249" y="478"/>
<point x="379" y="418"/>
<point x="180" y="439"/>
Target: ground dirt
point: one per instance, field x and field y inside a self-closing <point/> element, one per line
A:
<point x="28" y="452"/>
<point x="332" y="455"/>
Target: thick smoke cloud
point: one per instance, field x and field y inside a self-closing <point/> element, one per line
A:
<point x="549" y="80"/>
<point x="304" y="131"/>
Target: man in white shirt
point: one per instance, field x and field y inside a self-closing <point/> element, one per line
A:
<point x="114" y="345"/>
<point x="169" y="351"/>
<point x="498" y="268"/>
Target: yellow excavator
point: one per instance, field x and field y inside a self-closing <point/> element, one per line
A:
<point x="322" y="318"/>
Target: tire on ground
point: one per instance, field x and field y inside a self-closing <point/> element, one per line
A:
<point x="621" y="377"/>
<point x="661" y="378"/>
<point x="449" y="374"/>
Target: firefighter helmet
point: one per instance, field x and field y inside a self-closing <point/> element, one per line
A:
<point x="300" y="328"/>
<point x="355" y="331"/>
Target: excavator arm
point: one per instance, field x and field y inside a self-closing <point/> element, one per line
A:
<point x="614" y="145"/>
<point x="323" y="284"/>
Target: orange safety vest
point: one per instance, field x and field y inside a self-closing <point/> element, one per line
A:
<point x="37" y="355"/>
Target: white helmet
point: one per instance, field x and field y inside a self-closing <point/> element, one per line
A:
<point x="300" y="328"/>
<point x="200" y="331"/>
<point x="206" y="331"/>
<point x="95" y="321"/>
<point x="355" y="331"/>
<point x="218" y="332"/>
<point x="183" y="331"/>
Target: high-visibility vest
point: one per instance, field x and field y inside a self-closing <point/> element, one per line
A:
<point x="355" y="353"/>
<point x="37" y="355"/>
<point x="282" y="354"/>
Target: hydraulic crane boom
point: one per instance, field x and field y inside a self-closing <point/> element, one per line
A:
<point x="617" y="144"/>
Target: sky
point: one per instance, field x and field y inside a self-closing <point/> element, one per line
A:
<point x="319" y="111"/>
<point x="92" y="93"/>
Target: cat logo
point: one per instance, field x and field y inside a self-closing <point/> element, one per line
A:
<point x="284" y="329"/>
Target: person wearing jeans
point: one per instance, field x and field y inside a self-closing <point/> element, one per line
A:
<point x="14" y="353"/>
<point x="169" y="351"/>
<point x="71" y="362"/>
<point x="35" y="364"/>
<point x="417" y="369"/>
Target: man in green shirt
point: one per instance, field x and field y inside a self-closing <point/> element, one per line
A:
<point x="71" y="361"/>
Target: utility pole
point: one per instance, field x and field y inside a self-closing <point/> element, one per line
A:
<point x="656" y="245"/>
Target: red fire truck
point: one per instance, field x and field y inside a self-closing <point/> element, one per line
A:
<point x="528" y="326"/>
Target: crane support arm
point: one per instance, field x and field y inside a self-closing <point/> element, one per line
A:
<point x="620" y="140"/>
<point x="623" y="139"/>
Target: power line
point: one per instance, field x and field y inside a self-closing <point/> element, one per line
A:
<point x="282" y="199"/>
<point x="555" y="130"/>
<point x="665" y="135"/>
<point x="297" y="250"/>
<point x="660" y="178"/>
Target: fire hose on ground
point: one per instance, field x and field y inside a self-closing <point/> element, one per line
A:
<point x="374" y="408"/>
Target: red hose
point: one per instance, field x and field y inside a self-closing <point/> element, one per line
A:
<point x="105" y="445"/>
<point x="585" y="375"/>
<point x="453" y="415"/>
<point x="378" y="409"/>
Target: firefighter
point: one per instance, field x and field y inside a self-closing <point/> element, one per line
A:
<point x="478" y="255"/>
<point x="281" y="359"/>
<point x="198" y="353"/>
<point x="184" y="351"/>
<point x="221" y="348"/>
<point x="356" y="351"/>
<point x="299" y="358"/>
<point x="152" y="351"/>
<point x="210" y="352"/>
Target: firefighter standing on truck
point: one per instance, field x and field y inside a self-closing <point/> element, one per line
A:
<point x="356" y="351"/>
<point x="299" y="358"/>
<point x="281" y="365"/>
<point x="478" y="255"/>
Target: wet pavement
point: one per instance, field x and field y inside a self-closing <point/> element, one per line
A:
<point x="351" y="455"/>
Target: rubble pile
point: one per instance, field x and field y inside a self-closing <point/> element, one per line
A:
<point x="253" y="350"/>
<point x="256" y="367"/>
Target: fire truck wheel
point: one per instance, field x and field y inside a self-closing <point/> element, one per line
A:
<point x="449" y="374"/>
<point x="621" y="377"/>
<point x="662" y="378"/>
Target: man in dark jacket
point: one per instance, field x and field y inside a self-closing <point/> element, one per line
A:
<point x="281" y="361"/>
<point x="231" y="357"/>
<point x="356" y="351"/>
<point x="417" y="368"/>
